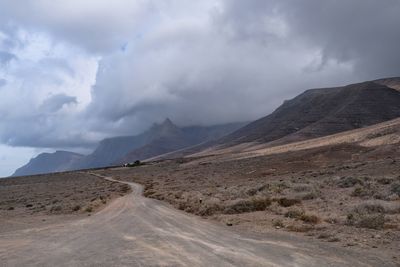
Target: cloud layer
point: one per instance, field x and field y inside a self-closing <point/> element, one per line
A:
<point x="75" y="72"/>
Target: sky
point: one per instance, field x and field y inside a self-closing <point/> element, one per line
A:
<point x="74" y="72"/>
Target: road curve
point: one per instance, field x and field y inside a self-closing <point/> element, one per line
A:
<point x="136" y="231"/>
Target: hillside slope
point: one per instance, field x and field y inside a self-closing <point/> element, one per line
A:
<point x="49" y="162"/>
<point x="320" y="112"/>
<point x="174" y="138"/>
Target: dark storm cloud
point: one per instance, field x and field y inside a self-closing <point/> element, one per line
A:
<point x="197" y="62"/>
<point x="364" y="33"/>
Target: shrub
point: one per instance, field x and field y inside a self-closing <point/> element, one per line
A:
<point x="278" y="224"/>
<point x="302" y="188"/>
<point x="311" y="195"/>
<point x="294" y="214"/>
<point x="55" y="208"/>
<point x="89" y="209"/>
<point x="124" y="188"/>
<point x="368" y="208"/>
<point x="209" y="210"/>
<point x="323" y="236"/>
<point x="395" y="188"/>
<point x="287" y="202"/>
<point x="346" y="182"/>
<point x="248" y="205"/>
<point x="76" y="208"/>
<point x="385" y="181"/>
<point x="149" y="193"/>
<point x="309" y="218"/>
<point x="374" y="221"/>
<point x="365" y="191"/>
<point x="377" y="206"/>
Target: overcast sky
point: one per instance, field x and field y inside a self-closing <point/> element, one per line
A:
<point x="73" y="72"/>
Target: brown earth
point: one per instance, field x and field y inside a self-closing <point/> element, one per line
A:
<point x="342" y="190"/>
<point x="31" y="199"/>
<point x="138" y="231"/>
<point x="344" y="194"/>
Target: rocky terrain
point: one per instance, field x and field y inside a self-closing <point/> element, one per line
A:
<point x="321" y="112"/>
<point x="312" y="114"/>
<point x="339" y="192"/>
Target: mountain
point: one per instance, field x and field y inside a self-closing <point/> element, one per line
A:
<point x="49" y="162"/>
<point x="159" y="139"/>
<point x="174" y="138"/>
<point x="111" y="150"/>
<point x="321" y="112"/>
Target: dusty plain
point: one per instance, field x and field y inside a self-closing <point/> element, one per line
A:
<point x="346" y="195"/>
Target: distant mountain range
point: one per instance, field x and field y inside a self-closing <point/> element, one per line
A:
<point x="312" y="114"/>
<point x="159" y="139"/>
<point x="49" y="162"/>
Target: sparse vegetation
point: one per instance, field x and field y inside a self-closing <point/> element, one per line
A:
<point x="395" y="188"/>
<point x="294" y="214"/>
<point x="287" y="202"/>
<point x="76" y="208"/>
<point x="278" y="223"/>
<point x="247" y="205"/>
<point x="364" y="191"/>
<point x="124" y="188"/>
<point x="365" y="220"/>
<point x="89" y="209"/>
<point x="310" y="218"/>
<point x="346" y="182"/>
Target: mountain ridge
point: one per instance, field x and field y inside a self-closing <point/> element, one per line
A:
<point x="49" y="162"/>
<point x="158" y="139"/>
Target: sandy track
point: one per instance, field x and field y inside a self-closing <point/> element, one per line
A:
<point x="136" y="231"/>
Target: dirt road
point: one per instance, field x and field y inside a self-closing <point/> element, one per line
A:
<point x="136" y="231"/>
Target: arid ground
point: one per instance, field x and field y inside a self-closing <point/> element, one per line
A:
<point x="346" y="195"/>
<point x="137" y="231"/>
<point x="333" y="201"/>
<point x="43" y="199"/>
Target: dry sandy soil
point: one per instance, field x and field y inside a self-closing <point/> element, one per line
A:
<point x="137" y="231"/>
<point x="71" y="195"/>
<point x="343" y="194"/>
